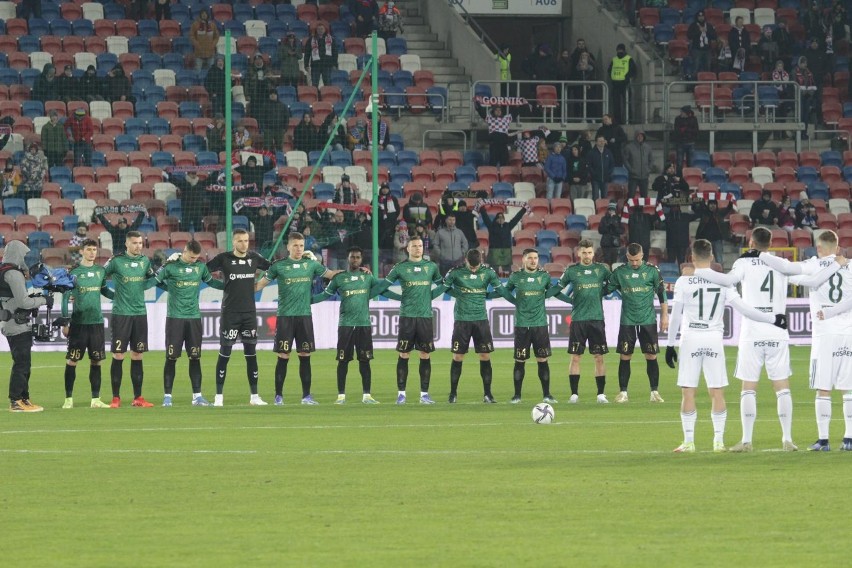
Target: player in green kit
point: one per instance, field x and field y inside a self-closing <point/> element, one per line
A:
<point x="295" y="275"/>
<point x="86" y="329"/>
<point x="531" y="286"/>
<point x="416" y="277"/>
<point x="638" y="283"/>
<point x="588" y="280"/>
<point x="354" y="331"/>
<point x="131" y="274"/>
<point x="468" y="284"/>
<point x="182" y="279"/>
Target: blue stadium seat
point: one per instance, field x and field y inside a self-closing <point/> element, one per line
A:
<point x="287" y="95"/>
<point x="396" y="189"/>
<point x="134" y="127"/>
<point x="466" y="174"/>
<point x="126" y="142"/>
<point x="162" y="159"/>
<point x="83" y="28"/>
<point x="576" y="223"/>
<point x="240" y="222"/>
<point x="173" y="61"/>
<point x="29" y="76"/>
<point x="386" y="158"/>
<point x="818" y="190"/>
<point x="148" y="28"/>
<point x="286" y="11"/>
<point x="298" y="109"/>
<point x="9" y="76"/>
<point x="715" y="175"/>
<point x="138" y="44"/>
<point x="15" y="206"/>
<point x="190" y="110"/>
<point x="142" y="79"/>
<point x="268" y="45"/>
<point x="148" y="225"/>
<point x="70" y="222"/>
<point x="731" y="188"/>
<point x="474" y="158"/>
<point x="341" y="158"/>
<point x="347" y="90"/>
<point x="59" y="28"/>
<point x="194" y="143"/>
<point x="437" y="97"/>
<point x="323" y="191"/>
<point x="403" y="79"/>
<point x="619" y="175"/>
<point x="397" y="141"/>
<point x="174" y="208"/>
<point x="237" y="29"/>
<point x="38" y="240"/>
<point x="276" y="29"/>
<point x="400" y="174"/>
<point x="106" y="60"/>
<point x="39" y="27"/>
<point x="340" y="29"/>
<point x="151" y="62"/>
<point x="113" y="11"/>
<point x="503" y="190"/>
<point x="187" y="78"/>
<point x="807" y="174"/>
<point x="457" y="186"/>
<point x="58" y="174"/>
<point x="145" y="110"/>
<point x="32" y="109"/>
<point x="28" y="44"/>
<point x="98" y="159"/>
<point x="159" y="126"/>
<point x="243" y="12"/>
<point x="700" y="159"/>
<point x="265" y="12"/>
<point x="396" y="46"/>
<point x="72" y="191"/>
<point x="181" y="45"/>
<point x="314" y="157"/>
<point x="207" y="158"/>
<point x="407" y="158"/>
<point x="831" y="158"/>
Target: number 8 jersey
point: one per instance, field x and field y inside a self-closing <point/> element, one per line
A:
<point x="828" y="294"/>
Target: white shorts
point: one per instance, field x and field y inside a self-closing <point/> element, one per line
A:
<point x="753" y="355"/>
<point x="831" y="363"/>
<point x="702" y="352"/>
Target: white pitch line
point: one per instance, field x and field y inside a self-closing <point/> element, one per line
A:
<point x="369" y="452"/>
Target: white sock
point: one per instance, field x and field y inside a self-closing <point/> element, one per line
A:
<point x="401" y="393"/>
<point x="823" y="416"/>
<point x="424" y="393"/>
<point x="785" y="414"/>
<point x="255" y="396"/>
<point x="748" y="413"/>
<point x="719" y="419"/>
<point x="196" y="395"/>
<point x="847" y="414"/>
<point x="687" y="421"/>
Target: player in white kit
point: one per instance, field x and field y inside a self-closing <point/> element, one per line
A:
<point x="701" y="305"/>
<point x="831" y="344"/>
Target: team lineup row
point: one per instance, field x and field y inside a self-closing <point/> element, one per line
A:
<point x="696" y="302"/>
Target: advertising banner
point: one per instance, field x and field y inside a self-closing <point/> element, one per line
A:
<point x="510" y="7"/>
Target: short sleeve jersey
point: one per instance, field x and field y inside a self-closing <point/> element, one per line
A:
<point x="829" y="293"/>
<point x="183" y="281"/>
<point x="589" y="284"/>
<point x="638" y="288"/>
<point x="295" y="279"/>
<point x="238" y="275"/>
<point x="354" y="289"/>
<point x="764" y="289"/>
<point x="86" y="295"/>
<point x="416" y="279"/>
<point x="703" y="305"/>
<point x="130" y="275"/>
<point x="530" y="289"/>
<point x="471" y="288"/>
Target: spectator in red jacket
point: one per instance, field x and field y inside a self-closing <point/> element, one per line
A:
<point x="79" y="130"/>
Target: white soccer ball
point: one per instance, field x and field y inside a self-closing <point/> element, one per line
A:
<point x="543" y="413"/>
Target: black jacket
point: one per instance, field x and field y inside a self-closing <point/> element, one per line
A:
<point x="611" y="228"/>
<point x="500" y="236"/>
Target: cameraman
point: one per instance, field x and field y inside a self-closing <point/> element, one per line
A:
<point x="18" y="329"/>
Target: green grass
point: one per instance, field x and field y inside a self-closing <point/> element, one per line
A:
<point x="463" y="485"/>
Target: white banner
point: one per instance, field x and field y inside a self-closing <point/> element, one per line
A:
<point x="384" y="317"/>
<point x="510" y="7"/>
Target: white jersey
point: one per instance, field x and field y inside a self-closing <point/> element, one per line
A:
<point x="703" y="304"/>
<point x="826" y="295"/>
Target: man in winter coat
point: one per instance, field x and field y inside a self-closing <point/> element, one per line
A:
<point x="639" y="161"/>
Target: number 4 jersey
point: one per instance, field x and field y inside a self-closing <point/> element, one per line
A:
<point x="764" y="289"/>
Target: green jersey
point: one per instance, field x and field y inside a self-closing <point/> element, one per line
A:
<point x="471" y="289"/>
<point x="416" y="279"/>
<point x="354" y="289"/>
<point x="86" y="296"/>
<point x="589" y="284"/>
<point x="183" y="281"/>
<point x="131" y="276"/>
<point x="530" y="289"/>
<point x="638" y="287"/>
<point x="295" y="279"/>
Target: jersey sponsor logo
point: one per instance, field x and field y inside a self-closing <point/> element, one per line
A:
<point x="503" y="322"/>
<point x="635" y="275"/>
<point x="842" y="352"/>
<point x="704" y="352"/>
<point x="698" y="326"/>
<point x="241" y="276"/>
<point x="772" y="344"/>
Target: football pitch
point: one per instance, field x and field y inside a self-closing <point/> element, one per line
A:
<point x="444" y="485"/>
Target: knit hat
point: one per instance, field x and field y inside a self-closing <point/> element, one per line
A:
<point x="686" y="108"/>
<point x="80" y="112"/>
<point x="803" y="196"/>
<point x="402" y="226"/>
<point x="612" y="205"/>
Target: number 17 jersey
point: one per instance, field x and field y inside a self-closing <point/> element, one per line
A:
<point x="703" y="305"/>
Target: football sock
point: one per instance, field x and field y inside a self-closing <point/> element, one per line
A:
<point x="305" y="375"/>
<point x="222" y="367"/>
<point x="70" y="376"/>
<point x="169" y="375"/>
<point x="136" y="376"/>
<point x="486" y="374"/>
<point x="280" y="375"/>
<point x="575" y="383"/>
<point x="653" y="368"/>
<point x="95" y="380"/>
<point x="687" y="422"/>
<point x="601" y="382"/>
<point x="342" y="368"/>
<point x="366" y="376"/>
<point x="195" y="375"/>
<point x="518" y="377"/>
<point x="785" y="413"/>
<point x="115" y="377"/>
<point x="425" y="374"/>
<point x="544" y="377"/>
<point x="823" y="416"/>
<point x="847" y="414"/>
<point x="623" y="374"/>
<point x="401" y="374"/>
<point x="748" y="413"/>
<point x="719" y="419"/>
<point x="250" y="353"/>
<point x="455" y="375"/>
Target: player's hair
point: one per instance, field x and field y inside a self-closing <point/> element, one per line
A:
<point x="89" y="243"/>
<point x="761" y="237"/>
<point x="450" y="214"/>
<point x="359" y="250"/>
<point x="240" y="232"/>
<point x="474" y="257"/>
<point x="528" y="251"/>
<point x="586" y="243"/>
<point x="415" y="237"/>
<point x="827" y="239"/>
<point x="194" y="247"/>
<point x="702" y="249"/>
<point x="133" y="234"/>
<point x="295" y="236"/>
<point x="634" y="248"/>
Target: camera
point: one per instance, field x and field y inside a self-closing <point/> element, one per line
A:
<point x="51" y="281"/>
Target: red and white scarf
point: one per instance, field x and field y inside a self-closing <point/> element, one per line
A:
<point x="723" y="196"/>
<point x="315" y="54"/>
<point x="641" y="202"/>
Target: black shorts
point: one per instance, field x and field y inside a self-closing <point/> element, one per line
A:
<point x="351" y="340"/>
<point x="647" y="339"/>
<point x="239" y="325"/>
<point x="415" y="334"/>
<point x="180" y="331"/>
<point x="84" y="337"/>
<point x="592" y="332"/>
<point x="536" y="338"/>
<point x="478" y="330"/>
<point x="129" y="332"/>
<point x="300" y="328"/>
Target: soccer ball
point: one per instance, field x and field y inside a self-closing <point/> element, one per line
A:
<point x="543" y="413"/>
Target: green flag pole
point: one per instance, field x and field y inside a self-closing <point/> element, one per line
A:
<point x="374" y="150"/>
<point x="229" y="198"/>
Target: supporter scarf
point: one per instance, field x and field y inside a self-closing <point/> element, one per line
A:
<point x="187" y="169"/>
<point x="219" y="188"/>
<point x="315" y="54"/>
<point x="506" y="202"/>
<point x="120" y="209"/>
<point x="269" y="201"/>
<point x="357" y="207"/>
<point x="641" y="202"/>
